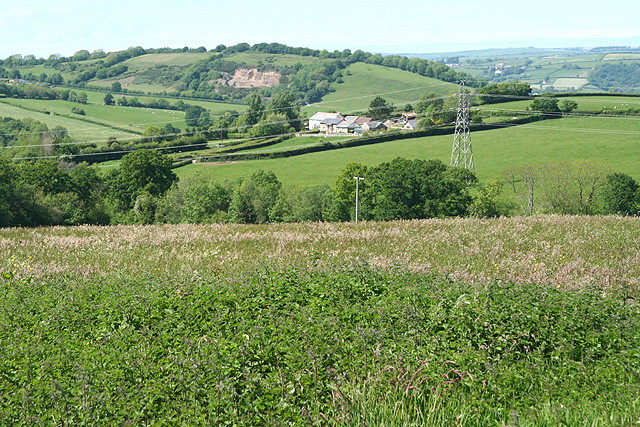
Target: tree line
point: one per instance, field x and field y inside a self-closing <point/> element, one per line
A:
<point x="143" y="189"/>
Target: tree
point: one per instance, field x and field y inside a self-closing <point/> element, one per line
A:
<point x="241" y="209"/>
<point x="141" y="171"/>
<point x="45" y="175"/>
<point x="568" y="105"/>
<point x="621" y="195"/>
<point x="545" y="104"/>
<point x="82" y="98"/>
<point x="284" y="103"/>
<point x="108" y="99"/>
<point x="345" y="190"/>
<point x="561" y="188"/>
<point x="81" y="55"/>
<point x="524" y="181"/>
<point x="116" y="87"/>
<point x="379" y="109"/>
<point x="152" y="133"/>
<point x="488" y="204"/>
<point x="429" y="102"/>
<point x="503" y="92"/>
<point x="192" y="115"/>
<point x="7" y="185"/>
<point x="255" y="111"/>
<point x="267" y="191"/>
<point x="272" y="125"/>
<point x="411" y="189"/>
<point x="312" y="203"/>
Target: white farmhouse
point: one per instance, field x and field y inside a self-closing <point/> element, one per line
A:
<point x="318" y="117"/>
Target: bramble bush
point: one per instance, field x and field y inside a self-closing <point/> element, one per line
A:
<point x="341" y="346"/>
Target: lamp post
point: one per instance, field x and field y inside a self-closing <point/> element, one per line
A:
<point x="358" y="179"/>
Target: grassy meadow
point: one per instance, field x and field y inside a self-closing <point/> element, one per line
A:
<point x="125" y="117"/>
<point x="79" y="130"/>
<point x="512" y="321"/>
<point x="363" y="82"/>
<point x="610" y="140"/>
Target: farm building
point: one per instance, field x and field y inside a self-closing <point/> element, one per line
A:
<point x="318" y="117"/>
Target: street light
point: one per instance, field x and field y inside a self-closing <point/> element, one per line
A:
<point x="358" y="179"/>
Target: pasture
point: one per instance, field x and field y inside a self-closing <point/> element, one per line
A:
<point x="125" y="117"/>
<point x="79" y="130"/>
<point x="281" y="60"/>
<point x="513" y="321"/>
<point x="143" y="62"/>
<point x="368" y="81"/>
<point x="610" y="140"/>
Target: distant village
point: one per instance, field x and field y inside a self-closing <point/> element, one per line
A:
<point x="336" y="123"/>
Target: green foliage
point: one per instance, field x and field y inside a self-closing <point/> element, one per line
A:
<point x="411" y="189"/>
<point x="379" y="109"/>
<point x="568" y="106"/>
<point x="504" y="92"/>
<point x="429" y="102"/>
<point x="241" y="207"/>
<point x="272" y="126"/>
<point x="193" y="114"/>
<point x="7" y="184"/>
<point x="488" y="202"/>
<point x="108" y="99"/>
<point x="256" y="109"/>
<point x="143" y="171"/>
<point x="545" y="104"/>
<point x="621" y="195"/>
<point x="313" y="204"/>
<point x="562" y="188"/>
<point x="345" y="189"/>
<point x="622" y="75"/>
<point x="285" y="104"/>
<point x="306" y="346"/>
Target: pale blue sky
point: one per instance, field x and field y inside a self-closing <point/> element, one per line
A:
<point x="66" y="26"/>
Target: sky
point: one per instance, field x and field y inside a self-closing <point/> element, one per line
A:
<point x="42" y="28"/>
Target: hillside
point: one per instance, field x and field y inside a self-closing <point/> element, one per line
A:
<point x="362" y="82"/>
<point x="219" y="74"/>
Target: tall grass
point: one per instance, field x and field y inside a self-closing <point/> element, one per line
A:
<point x="559" y="251"/>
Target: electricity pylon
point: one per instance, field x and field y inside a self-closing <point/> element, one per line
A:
<point x="462" y="154"/>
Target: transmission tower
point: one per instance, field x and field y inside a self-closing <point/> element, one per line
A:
<point x="462" y="154"/>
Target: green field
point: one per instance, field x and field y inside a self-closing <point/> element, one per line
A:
<point x="367" y="81"/>
<point x="141" y="63"/>
<point x="255" y="59"/>
<point x="621" y="56"/>
<point x="614" y="141"/>
<point x="326" y="324"/>
<point x="587" y="103"/>
<point x="126" y="117"/>
<point x="79" y="130"/>
<point x="136" y="119"/>
<point x="295" y="143"/>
